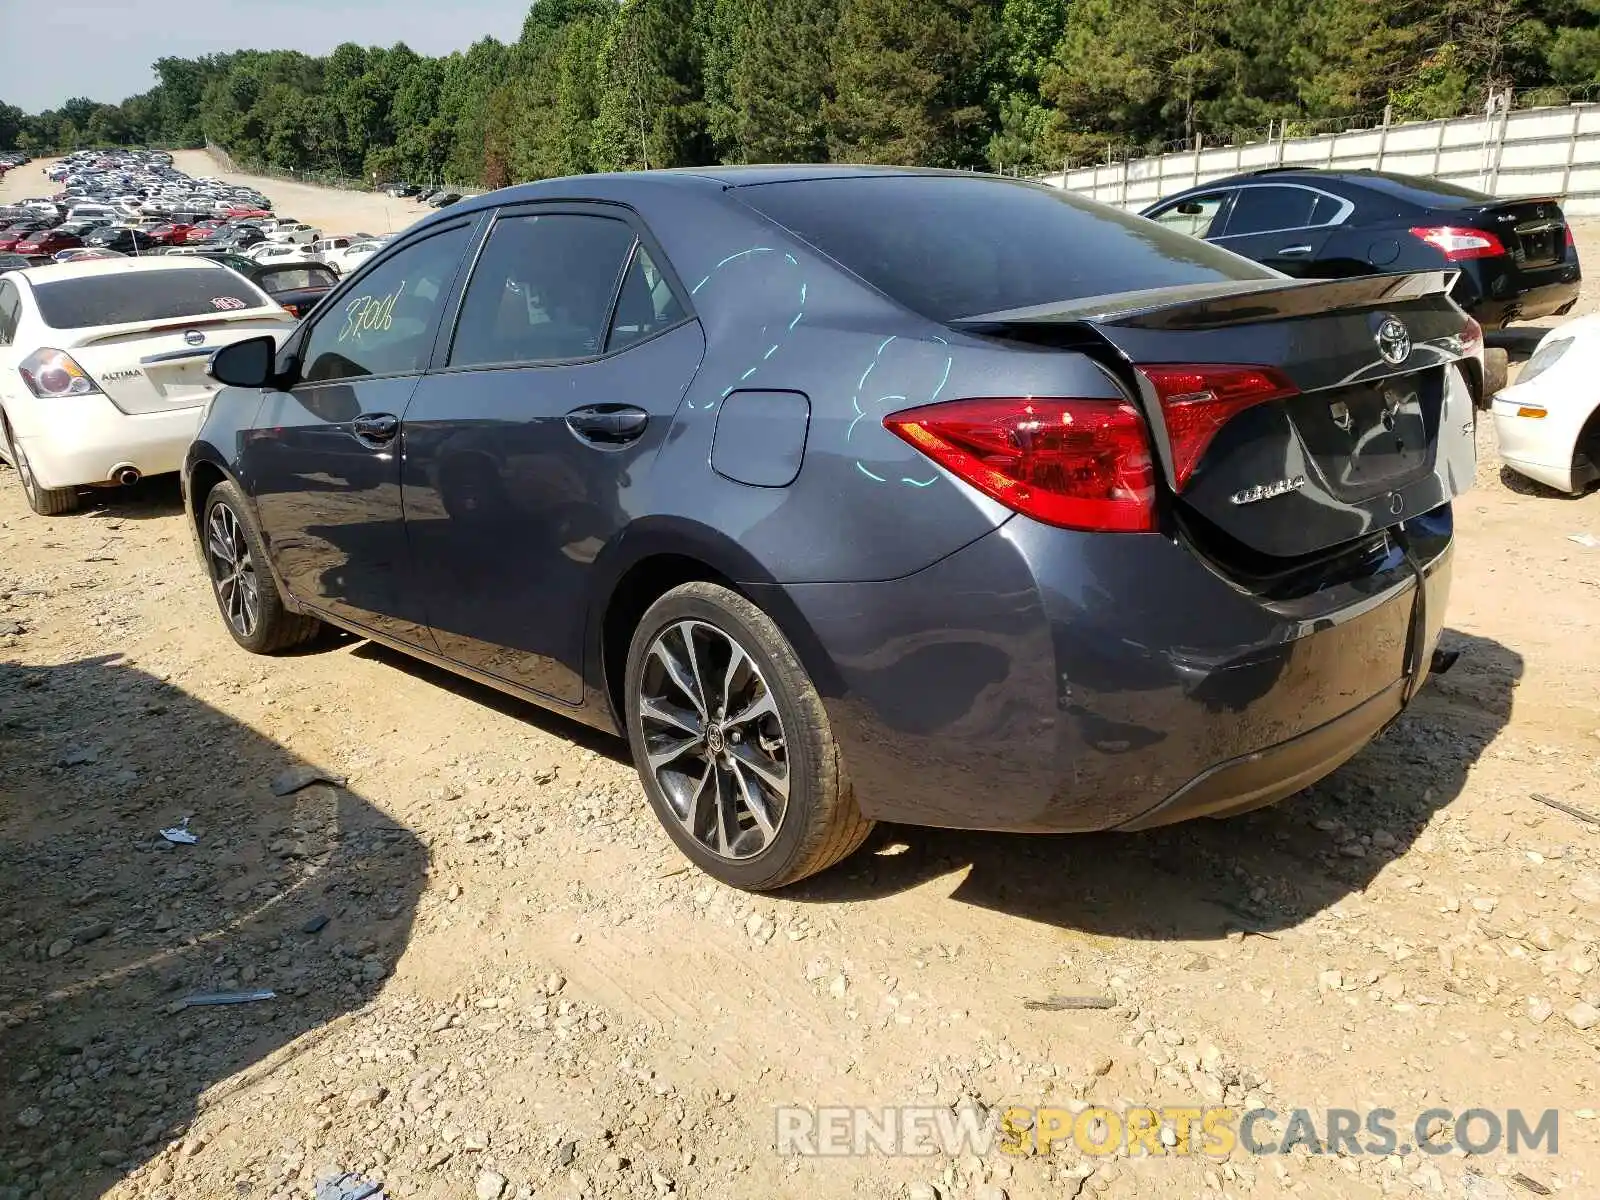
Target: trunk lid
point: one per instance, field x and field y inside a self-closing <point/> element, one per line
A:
<point x="157" y="367"/>
<point x="1284" y="430"/>
<point x="1534" y="232"/>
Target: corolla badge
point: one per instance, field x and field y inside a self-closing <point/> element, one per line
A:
<point x="1394" y="341"/>
<point x="1266" y="491"/>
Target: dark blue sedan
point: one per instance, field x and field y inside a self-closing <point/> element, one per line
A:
<point x="854" y="494"/>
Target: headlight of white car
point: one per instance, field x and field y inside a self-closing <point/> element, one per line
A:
<point x="1544" y="358"/>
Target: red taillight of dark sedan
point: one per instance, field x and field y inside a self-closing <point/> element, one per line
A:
<point x="1086" y="464"/>
<point x="1458" y="243"/>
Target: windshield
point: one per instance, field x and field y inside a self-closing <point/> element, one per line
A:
<point x="950" y="246"/>
<point x="143" y="296"/>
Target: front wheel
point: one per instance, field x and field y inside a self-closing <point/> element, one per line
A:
<point x="247" y="595"/>
<point x="733" y="744"/>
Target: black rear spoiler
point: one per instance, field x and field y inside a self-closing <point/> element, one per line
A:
<point x="1217" y="305"/>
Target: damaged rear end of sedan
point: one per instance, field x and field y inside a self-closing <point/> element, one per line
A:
<point x="1226" y="557"/>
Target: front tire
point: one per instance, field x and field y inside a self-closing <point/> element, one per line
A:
<point x="47" y="502"/>
<point x="246" y="593"/>
<point x="732" y="743"/>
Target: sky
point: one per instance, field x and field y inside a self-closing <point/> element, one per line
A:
<point x="103" y="49"/>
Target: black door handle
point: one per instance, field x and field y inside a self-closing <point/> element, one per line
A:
<point x="608" y="424"/>
<point x="375" y="429"/>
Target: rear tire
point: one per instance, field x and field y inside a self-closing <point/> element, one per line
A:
<point x="246" y="593"/>
<point x="1496" y="368"/>
<point x="47" y="502"/>
<point x="732" y="742"/>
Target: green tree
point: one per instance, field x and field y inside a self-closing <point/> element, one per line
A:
<point x="779" y="81"/>
<point x="909" y="82"/>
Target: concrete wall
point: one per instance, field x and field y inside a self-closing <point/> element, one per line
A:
<point x="1524" y="152"/>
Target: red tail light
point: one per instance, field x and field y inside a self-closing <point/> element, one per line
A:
<point x="1079" y="464"/>
<point x="1197" y="401"/>
<point x="1457" y="243"/>
<point x="1570" y="242"/>
<point x="1472" y="339"/>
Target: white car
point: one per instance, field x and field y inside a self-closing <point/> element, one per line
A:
<point x="276" y="252"/>
<point x="1548" y="422"/>
<point x="352" y="256"/>
<point x="322" y="247"/>
<point x="103" y="366"/>
<point x="293" y="231"/>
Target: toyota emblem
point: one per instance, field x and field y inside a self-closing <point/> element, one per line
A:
<point x="1394" y="341"/>
<point x="194" y="337"/>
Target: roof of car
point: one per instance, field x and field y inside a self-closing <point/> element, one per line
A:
<point x="1411" y="188"/>
<point x="56" y="272"/>
<point x="605" y="185"/>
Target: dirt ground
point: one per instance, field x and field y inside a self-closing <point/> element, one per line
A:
<point x="494" y="977"/>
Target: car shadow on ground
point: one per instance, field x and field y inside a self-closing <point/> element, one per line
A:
<point x="1263" y="871"/>
<point x="152" y="497"/>
<point x="1523" y="486"/>
<point x="553" y="723"/>
<point x="105" y="927"/>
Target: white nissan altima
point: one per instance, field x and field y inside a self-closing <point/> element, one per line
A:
<point x="103" y="366"/>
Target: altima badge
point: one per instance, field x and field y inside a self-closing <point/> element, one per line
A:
<point x="1266" y="491"/>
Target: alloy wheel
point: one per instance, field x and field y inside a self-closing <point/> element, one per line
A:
<point x="233" y="571"/>
<point x="714" y="739"/>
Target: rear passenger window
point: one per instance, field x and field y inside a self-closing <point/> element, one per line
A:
<point x="646" y="304"/>
<point x="1265" y="209"/>
<point x="542" y="290"/>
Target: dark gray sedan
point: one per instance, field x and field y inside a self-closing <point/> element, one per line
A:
<point x="854" y="494"/>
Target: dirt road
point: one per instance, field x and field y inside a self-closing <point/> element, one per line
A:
<point x="494" y="977"/>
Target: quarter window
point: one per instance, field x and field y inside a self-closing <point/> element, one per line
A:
<point x="10" y="312"/>
<point x="384" y="325"/>
<point x="542" y="290"/>
<point x="646" y="304"/>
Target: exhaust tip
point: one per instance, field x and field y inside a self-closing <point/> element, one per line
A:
<point x="127" y="475"/>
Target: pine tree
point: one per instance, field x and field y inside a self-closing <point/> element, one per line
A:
<point x="909" y="82"/>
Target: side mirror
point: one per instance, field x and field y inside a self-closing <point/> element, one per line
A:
<point x="245" y="364"/>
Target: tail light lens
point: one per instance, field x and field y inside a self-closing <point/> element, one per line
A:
<point x="1457" y="243"/>
<point x="1472" y="339"/>
<point x="51" y="374"/>
<point x="1197" y="401"/>
<point x="1570" y="242"/>
<point x="1078" y="464"/>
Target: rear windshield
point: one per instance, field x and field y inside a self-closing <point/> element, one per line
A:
<point x="949" y="246"/>
<point x="1424" y="193"/>
<point x="296" y="277"/>
<point x="143" y="296"/>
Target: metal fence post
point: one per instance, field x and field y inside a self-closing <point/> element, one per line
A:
<point x="1572" y="152"/>
<point x="1195" y="182"/>
<point x="1500" y="141"/>
<point x="1122" y="194"/>
<point x="1383" y="133"/>
<point x="1438" y="147"/>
